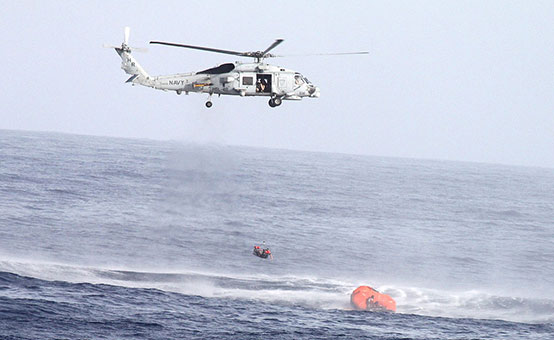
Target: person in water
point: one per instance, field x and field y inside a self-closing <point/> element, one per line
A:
<point x="263" y="253"/>
<point x="267" y="253"/>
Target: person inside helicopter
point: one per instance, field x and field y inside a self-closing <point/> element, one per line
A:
<point x="260" y="87"/>
<point x="263" y="83"/>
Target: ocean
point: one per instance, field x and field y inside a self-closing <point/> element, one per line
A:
<point x="111" y="238"/>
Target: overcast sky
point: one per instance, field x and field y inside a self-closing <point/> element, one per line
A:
<point x="454" y="80"/>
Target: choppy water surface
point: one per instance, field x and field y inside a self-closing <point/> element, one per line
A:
<point x="104" y="238"/>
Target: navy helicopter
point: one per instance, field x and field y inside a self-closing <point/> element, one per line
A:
<point x="235" y="79"/>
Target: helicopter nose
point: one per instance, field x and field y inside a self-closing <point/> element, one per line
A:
<point x="314" y="92"/>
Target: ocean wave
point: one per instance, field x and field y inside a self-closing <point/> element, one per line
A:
<point x="309" y="292"/>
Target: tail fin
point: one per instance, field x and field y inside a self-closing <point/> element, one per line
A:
<point x="129" y="64"/>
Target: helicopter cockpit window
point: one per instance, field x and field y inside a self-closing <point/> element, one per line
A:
<point x="298" y="79"/>
<point x="247" y="80"/>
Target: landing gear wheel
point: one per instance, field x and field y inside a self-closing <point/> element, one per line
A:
<point x="277" y="101"/>
<point x="272" y="102"/>
<point x="209" y="104"/>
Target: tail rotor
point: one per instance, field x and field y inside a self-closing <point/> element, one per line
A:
<point x="125" y="44"/>
<point x="126" y="37"/>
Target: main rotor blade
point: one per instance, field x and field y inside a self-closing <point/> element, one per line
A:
<point x="199" y="48"/>
<point x="277" y="42"/>
<point x="319" y="54"/>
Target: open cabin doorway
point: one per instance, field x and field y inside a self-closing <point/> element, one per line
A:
<point x="263" y="83"/>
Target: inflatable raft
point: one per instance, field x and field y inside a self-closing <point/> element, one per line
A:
<point x="367" y="298"/>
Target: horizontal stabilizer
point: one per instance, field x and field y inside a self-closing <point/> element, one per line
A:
<point x="130" y="80"/>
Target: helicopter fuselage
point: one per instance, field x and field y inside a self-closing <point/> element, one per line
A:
<point x="241" y="79"/>
<point x="235" y="79"/>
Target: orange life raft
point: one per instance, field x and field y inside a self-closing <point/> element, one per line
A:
<point x="367" y="298"/>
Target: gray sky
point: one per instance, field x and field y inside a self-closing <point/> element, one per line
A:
<point x="455" y="80"/>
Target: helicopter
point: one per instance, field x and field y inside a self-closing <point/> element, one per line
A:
<point x="235" y="79"/>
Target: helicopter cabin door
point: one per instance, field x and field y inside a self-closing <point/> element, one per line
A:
<point x="248" y="83"/>
<point x="263" y="83"/>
